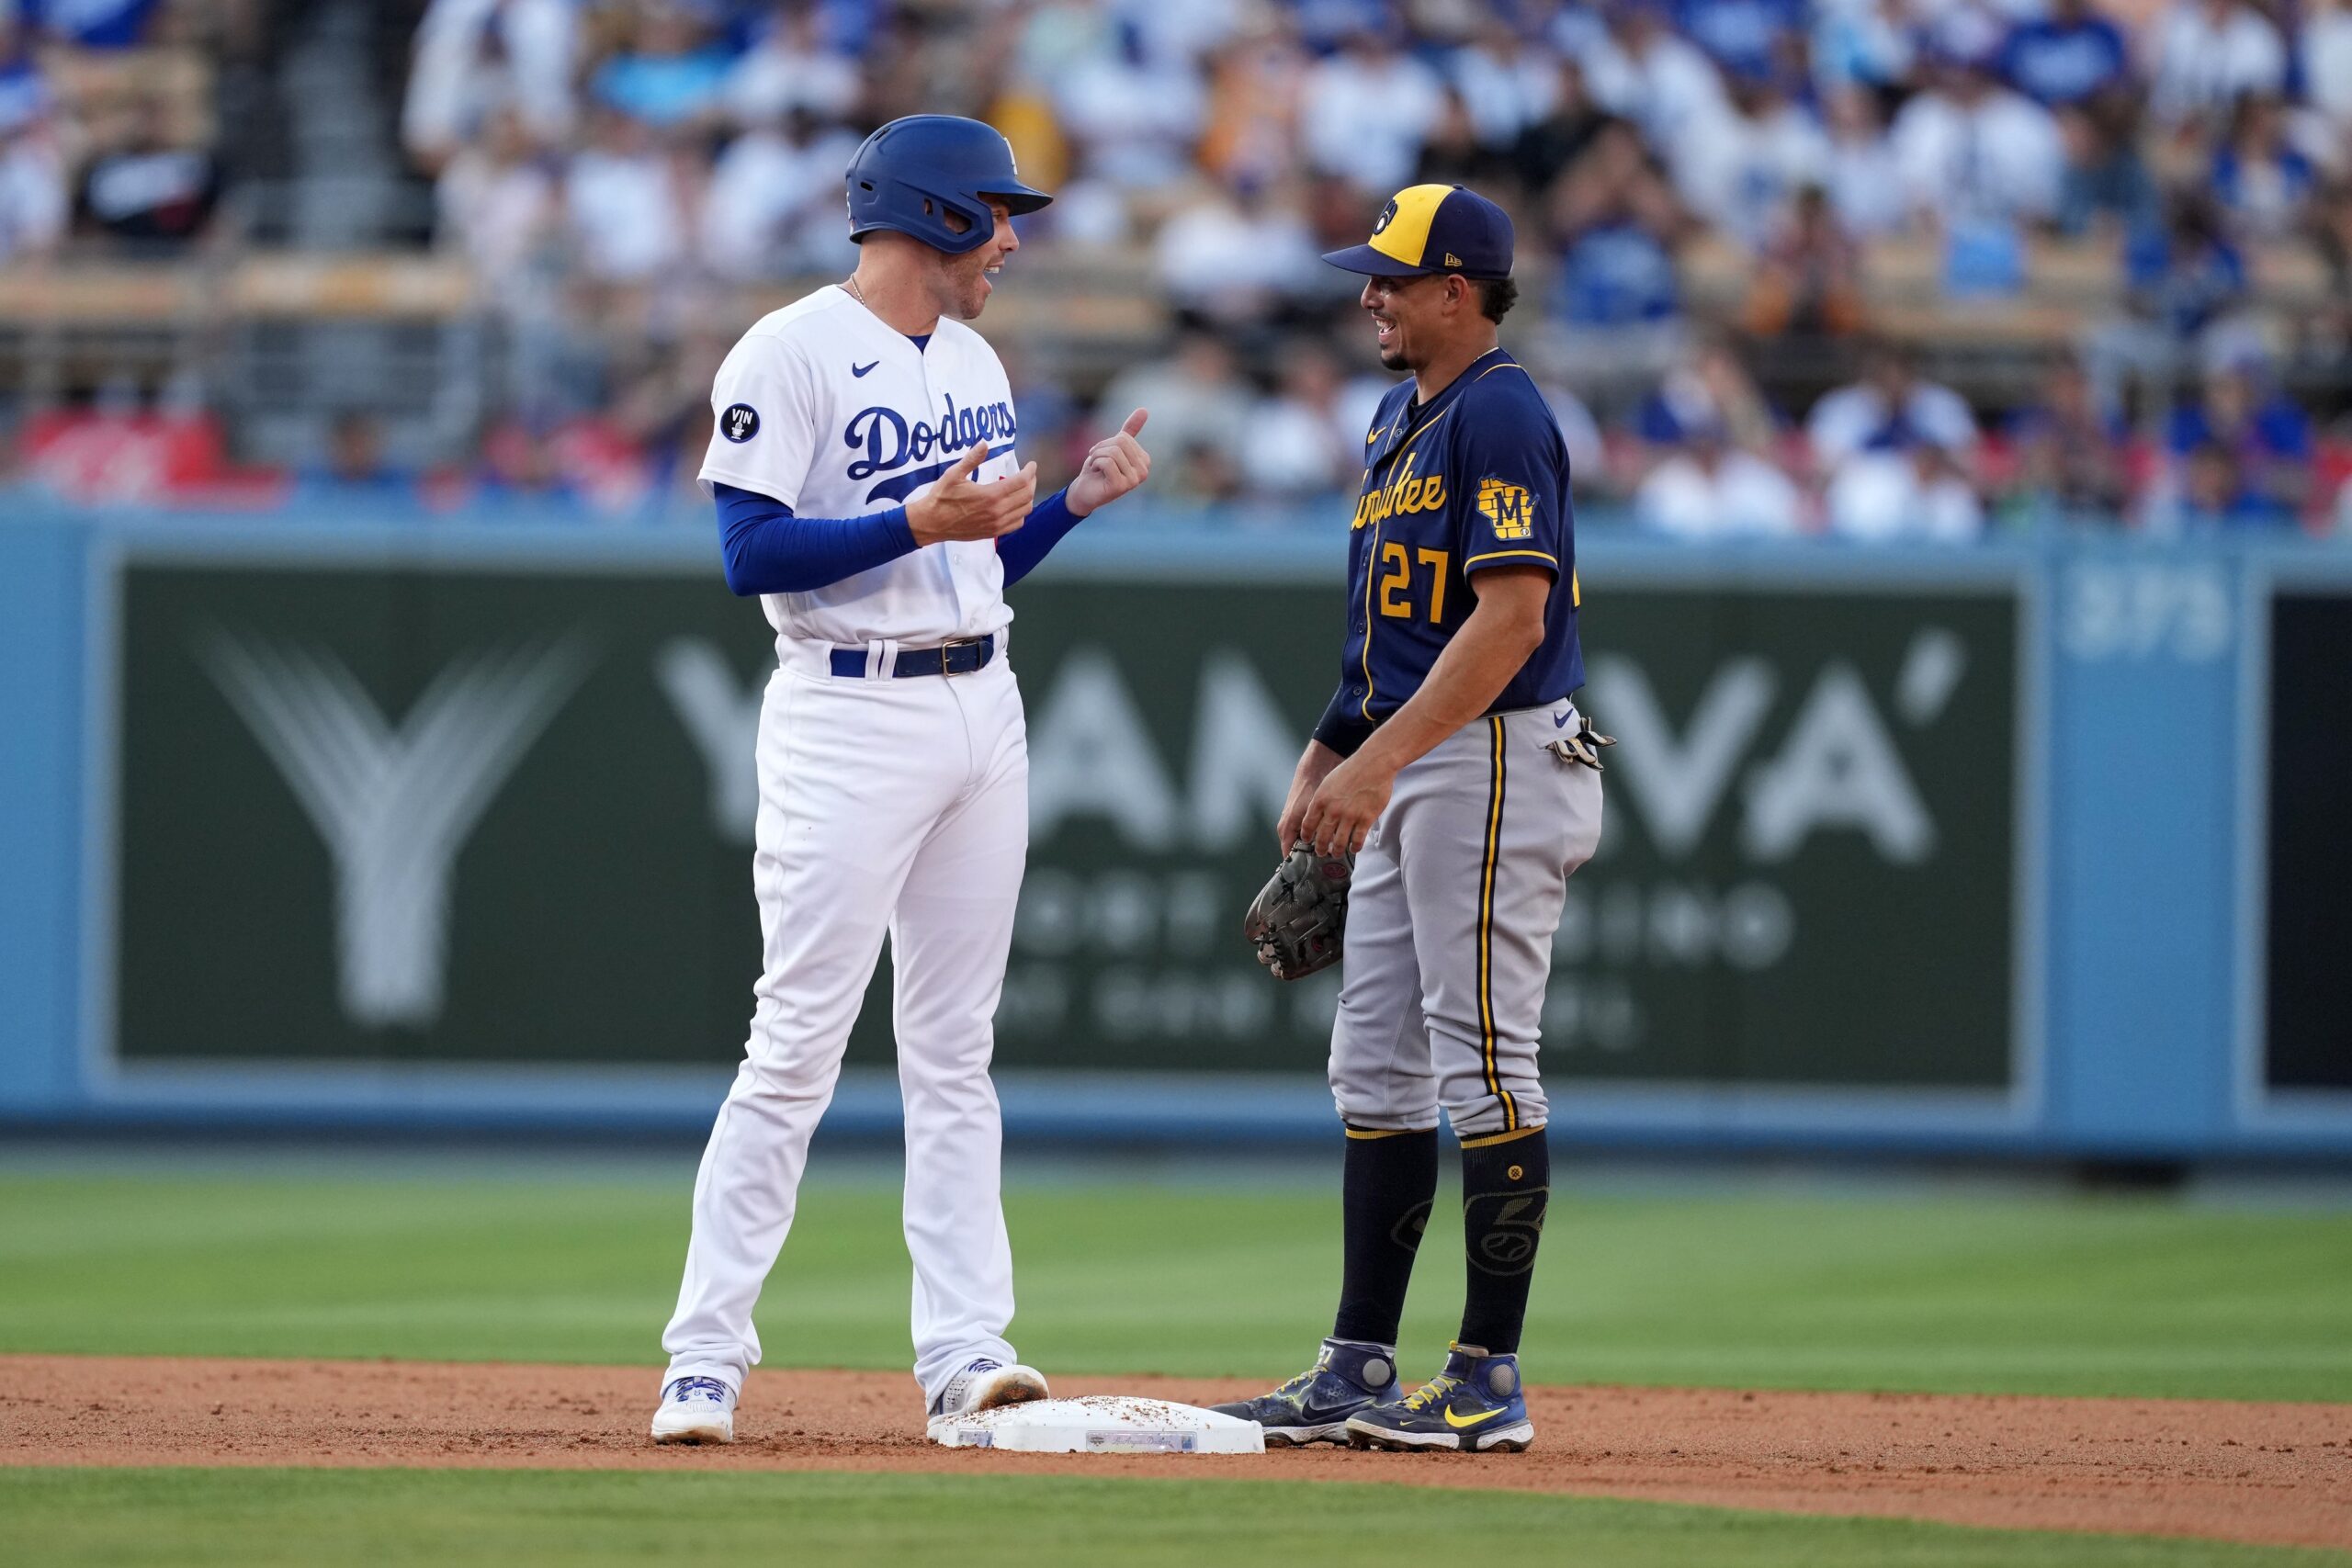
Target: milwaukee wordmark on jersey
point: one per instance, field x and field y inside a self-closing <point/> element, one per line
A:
<point x="1475" y="479"/>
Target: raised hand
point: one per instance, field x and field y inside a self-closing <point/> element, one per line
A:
<point x="954" y="507"/>
<point x="1114" y="465"/>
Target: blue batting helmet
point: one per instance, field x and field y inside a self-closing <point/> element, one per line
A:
<point x="913" y="172"/>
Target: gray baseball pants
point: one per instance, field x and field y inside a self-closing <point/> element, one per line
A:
<point x="1455" y="897"/>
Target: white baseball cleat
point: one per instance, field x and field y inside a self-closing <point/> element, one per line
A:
<point x="696" y="1410"/>
<point x="984" y="1385"/>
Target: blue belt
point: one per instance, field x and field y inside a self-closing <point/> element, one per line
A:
<point x="958" y="657"/>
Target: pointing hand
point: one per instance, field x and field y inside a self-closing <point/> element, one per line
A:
<point x="1115" y="465"/>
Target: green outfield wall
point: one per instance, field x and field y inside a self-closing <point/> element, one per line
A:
<point x="2029" y="848"/>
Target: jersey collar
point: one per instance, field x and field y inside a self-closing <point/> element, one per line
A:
<point x="1414" y="417"/>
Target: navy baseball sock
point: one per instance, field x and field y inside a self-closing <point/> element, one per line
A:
<point x="1390" y="1183"/>
<point x="1505" y="1188"/>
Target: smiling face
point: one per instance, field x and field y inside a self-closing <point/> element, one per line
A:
<point x="961" y="284"/>
<point x="1413" y="318"/>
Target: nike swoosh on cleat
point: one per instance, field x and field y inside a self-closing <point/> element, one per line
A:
<point x="1461" y="1423"/>
<point x="855" y="369"/>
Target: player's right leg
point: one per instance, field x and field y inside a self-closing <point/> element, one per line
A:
<point x="847" y="789"/>
<point x="1386" y="1096"/>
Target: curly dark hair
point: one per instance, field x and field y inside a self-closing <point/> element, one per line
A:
<point x="1495" y="297"/>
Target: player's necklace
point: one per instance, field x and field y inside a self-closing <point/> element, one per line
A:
<point x="849" y="284"/>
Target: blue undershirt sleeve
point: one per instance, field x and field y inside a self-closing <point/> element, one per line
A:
<point x="1021" y="549"/>
<point x="1343" y="726"/>
<point x="767" y="549"/>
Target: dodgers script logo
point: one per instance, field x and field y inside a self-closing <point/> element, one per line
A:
<point x="889" y="442"/>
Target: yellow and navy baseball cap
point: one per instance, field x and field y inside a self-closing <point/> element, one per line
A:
<point x="1433" y="228"/>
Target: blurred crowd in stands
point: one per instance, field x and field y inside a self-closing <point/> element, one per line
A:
<point x="627" y="182"/>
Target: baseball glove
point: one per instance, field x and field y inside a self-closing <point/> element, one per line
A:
<point x="1300" y="917"/>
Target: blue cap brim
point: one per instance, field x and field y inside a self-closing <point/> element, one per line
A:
<point x="1019" y="199"/>
<point x="1375" y="263"/>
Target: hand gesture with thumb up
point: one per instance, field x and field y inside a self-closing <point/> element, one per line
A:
<point x="1115" y="465"/>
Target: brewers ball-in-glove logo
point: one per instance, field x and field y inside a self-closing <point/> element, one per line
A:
<point x="1387" y="216"/>
<point x="1509" y="507"/>
<point x="740" y="422"/>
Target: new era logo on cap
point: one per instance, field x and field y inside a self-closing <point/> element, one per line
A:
<point x="1433" y="228"/>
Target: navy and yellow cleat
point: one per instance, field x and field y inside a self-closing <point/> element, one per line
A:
<point x="1313" y="1407"/>
<point x="1475" y="1406"/>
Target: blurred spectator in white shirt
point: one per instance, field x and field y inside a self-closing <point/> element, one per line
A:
<point x="2327" y="63"/>
<point x="1089" y="211"/>
<point x="789" y="69"/>
<point x="1968" y="30"/>
<point x="1920" y="494"/>
<point x="1188" y="32"/>
<point x="1709" y="489"/>
<point x="1588" y="453"/>
<point x="1864" y="181"/>
<point x="475" y="56"/>
<point x="623" y="203"/>
<point x="1364" y="112"/>
<point x="1868" y="41"/>
<point x="2209" y="53"/>
<point x="1661" y="82"/>
<point x="1138" y="116"/>
<point x="1889" y="408"/>
<point x="34" y="204"/>
<point x="775" y="201"/>
<point x="1972" y="148"/>
<point x="496" y="198"/>
<point x="1236" y="257"/>
<point x="1507" y="83"/>
<point x="1298" y="442"/>
<point x="1744" y="168"/>
<point x="1200" y="400"/>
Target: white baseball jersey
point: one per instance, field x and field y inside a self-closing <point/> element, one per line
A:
<point x="825" y="407"/>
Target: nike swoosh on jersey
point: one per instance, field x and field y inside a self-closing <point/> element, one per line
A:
<point x="1559" y="721"/>
<point x="856" y="369"/>
<point x="1462" y="1423"/>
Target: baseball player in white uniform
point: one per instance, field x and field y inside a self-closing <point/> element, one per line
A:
<point x="868" y="491"/>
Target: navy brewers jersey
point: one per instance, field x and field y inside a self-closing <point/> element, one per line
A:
<point x="1475" y="479"/>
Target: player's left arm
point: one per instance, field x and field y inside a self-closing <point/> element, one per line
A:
<point x="1114" y="465"/>
<point x="1508" y="470"/>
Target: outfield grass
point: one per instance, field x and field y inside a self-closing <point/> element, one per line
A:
<point x="2048" y="1294"/>
<point x="390" y="1518"/>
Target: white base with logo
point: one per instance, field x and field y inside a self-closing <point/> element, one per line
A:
<point x="1101" y="1424"/>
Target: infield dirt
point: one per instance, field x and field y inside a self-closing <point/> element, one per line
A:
<point x="2275" y="1473"/>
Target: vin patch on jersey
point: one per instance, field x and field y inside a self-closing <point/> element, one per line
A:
<point x="740" y="422"/>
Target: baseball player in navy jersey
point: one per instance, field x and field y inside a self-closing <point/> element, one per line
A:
<point x="868" y="490"/>
<point x="1452" y="763"/>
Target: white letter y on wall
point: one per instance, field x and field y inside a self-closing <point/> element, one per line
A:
<point x="723" y="717"/>
<point x="393" y="805"/>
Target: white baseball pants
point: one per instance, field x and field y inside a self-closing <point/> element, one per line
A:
<point x="885" y="805"/>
